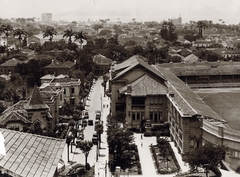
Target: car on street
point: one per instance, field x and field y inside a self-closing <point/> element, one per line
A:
<point x="90" y="122"/>
<point x="84" y="123"/>
<point x="86" y="115"/>
<point x="98" y="113"/>
<point x="80" y="138"/>
<point x="95" y="138"/>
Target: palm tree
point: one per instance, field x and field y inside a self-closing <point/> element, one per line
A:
<point x="201" y="25"/>
<point x="86" y="147"/>
<point x="6" y="29"/>
<point x="49" y="32"/>
<point x="68" y="34"/>
<point x="19" y="33"/>
<point x="81" y="37"/>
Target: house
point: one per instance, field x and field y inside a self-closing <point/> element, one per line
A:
<point x="30" y="155"/>
<point x="70" y="86"/>
<point x="35" y="114"/>
<point x="39" y="39"/>
<point x="139" y="91"/>
<point x="9" y="66"/>
<point x="57" y="67"/>
<point x="230" y="54"/>
<point x="190" y="59"/>
<point x="159" y="94"/>
<point x="102" y="64"/>
<point x="201" y="43"/>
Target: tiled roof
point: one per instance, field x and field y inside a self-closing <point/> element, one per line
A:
<point x="57" y="64"/>
<point x="128" y="62"/>
<point x="189" y="102"/>
<point x="36" y="101"/>
<point x="29" y="155"/>
<point x="11" y="62"/>
<point x="100" y="59"/>
<point x="191" y="58"/>
<point x="145" y="85"/>
<point x="48" y="76"/>
<point x="133" y="62"/>
<point x="19" y="115"/>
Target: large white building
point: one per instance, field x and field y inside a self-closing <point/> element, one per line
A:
<point x="47" y="17"/>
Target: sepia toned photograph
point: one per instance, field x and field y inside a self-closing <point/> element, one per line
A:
<point x="119" y="88"/>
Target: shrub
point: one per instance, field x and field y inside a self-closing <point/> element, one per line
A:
<point x="147" y="134"/>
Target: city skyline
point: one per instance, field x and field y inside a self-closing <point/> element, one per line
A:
<point x="124" y="10"/>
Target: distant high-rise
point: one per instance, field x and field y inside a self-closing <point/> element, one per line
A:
<point x="47" y="17"/>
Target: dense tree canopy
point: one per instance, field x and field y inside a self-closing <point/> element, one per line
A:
<point x="207" y="157"/>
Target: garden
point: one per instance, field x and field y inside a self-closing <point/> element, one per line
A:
<point x="164" y="157"/>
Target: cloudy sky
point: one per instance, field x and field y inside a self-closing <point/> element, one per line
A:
<point x="124" y="10"/>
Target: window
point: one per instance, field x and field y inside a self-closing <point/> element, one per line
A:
<point x="64" y="92"/>
<point x="133" y="115"/>
<point x="72" y="101"/>
<point x="156" y="100"/>
<point x="72" y="90"/>
<point x="138" y="115"/>
<point x="151" y="115"/>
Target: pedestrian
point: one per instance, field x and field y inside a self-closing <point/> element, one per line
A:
<point x="141" y="137"/>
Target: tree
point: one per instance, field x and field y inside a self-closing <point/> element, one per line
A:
<point x="207" y="157"/>
<point x="49" y="32"/>
<point x="68" y="34"/>
<point x="85" y="146"/>
<point x="201" y="26"/>
<point x="6" y="29"/>
<point x="119" y="142"/>
<point x="167" y="31"/>
<point x="79" y="36"/>
<point x="19" y="33"/>
<point x="97" y="27"/>
<point x="99" y="129"/>
<point x="163" y="147"/>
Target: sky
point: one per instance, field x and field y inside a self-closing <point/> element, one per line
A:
<point x="124" y="10"/>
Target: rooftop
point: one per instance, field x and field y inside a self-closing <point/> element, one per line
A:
<point x="145" y="85"/>
<point x="29" y="155"/>
<point x="203" y="68"/>
<point x="188" y="101"/>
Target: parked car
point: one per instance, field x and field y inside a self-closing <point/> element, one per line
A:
<point x="86" y="115"/>
<point x="84" y="123"/>
<point x="95" y="139"/>
<point x="90" y="122"/>
<point x="98" y="113"/>
<point x="80" y="138"/>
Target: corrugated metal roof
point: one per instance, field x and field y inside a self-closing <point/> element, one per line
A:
<point x="29" y="155"/>
<point x="189" y="102"/>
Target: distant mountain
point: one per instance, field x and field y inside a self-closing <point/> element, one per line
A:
<point x="93" y="14"/>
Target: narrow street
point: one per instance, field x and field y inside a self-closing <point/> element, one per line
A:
<point x="95" y="101"/>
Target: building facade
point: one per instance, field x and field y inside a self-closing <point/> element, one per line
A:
<point x="157" y="94"/>
<point x="46" y="17"/>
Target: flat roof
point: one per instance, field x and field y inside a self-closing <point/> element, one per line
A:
<point x="29" y="155"/>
